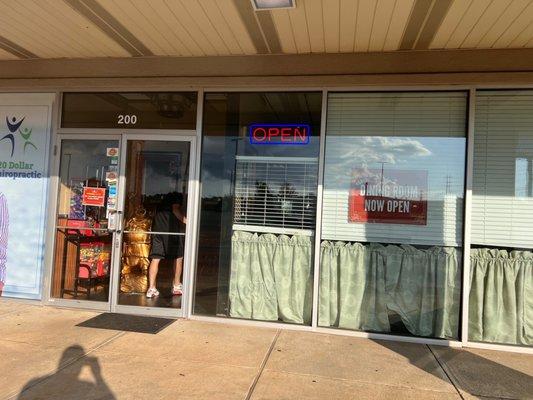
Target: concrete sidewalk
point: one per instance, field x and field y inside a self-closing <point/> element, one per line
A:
<point x="46" y="356"/>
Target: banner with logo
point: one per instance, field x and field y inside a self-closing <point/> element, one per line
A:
<point x="388" y="197"/>
<point x="25" y="121"/>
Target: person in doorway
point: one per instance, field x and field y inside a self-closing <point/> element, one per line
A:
<point x="169" y="218"/>
<point x="4" y="225"/>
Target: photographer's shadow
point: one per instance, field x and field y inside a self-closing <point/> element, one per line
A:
<point x="66" y="383"/>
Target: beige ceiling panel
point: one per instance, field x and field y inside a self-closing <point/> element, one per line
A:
<point x="138" y="17"/>
<point x="530" y="43"/>
<point x="315" y="24"/>
<point x="283" y="25"/>
<point x="164" y="29"/>
<point x="223" y="28"/>
<point x="524" y="38"/>
<point x="231" y="17"/>
<point x="179" y="36"/>
<point x="74" y="41"/>
<point x="150" y="21"/>
<point x="331" y="15"/>
<point x="27" y="36"/>
<point x="471" y="17"/>
<point x="400" y="17"/>
<point x="486" y="24"/>
<point x="193" y="28"/>
<point x="504" y="21"/>
<point x="483" y="25"/>
<point x="52" y="29"/>
<point x="380" y="24"/>
<point x="299" y="29"/>
<point x="71" y="34"/>
<point x="197" y="13"/>
<point x="363" y="27"/>
<point x="516" y="29"/>
<point x="4" y="55"/>
<point x="348" y="16"/>
<point x="450" y="23"/>
<point x="92" y="37"/>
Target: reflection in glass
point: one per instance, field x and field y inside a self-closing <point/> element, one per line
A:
<point x="257" y="209"/>
<point x="522" y="179"/>
<point x="127" y="110"/>
<point x="157" y="179"/>
<point x="392" y="213"/>
<point x="83" y="243"/>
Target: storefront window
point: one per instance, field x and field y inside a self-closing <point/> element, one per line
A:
<point x="129" y="110"/>
<point x="392" y="222"/>
<point x="258" y="202"/>
<point x="501" y="281"/>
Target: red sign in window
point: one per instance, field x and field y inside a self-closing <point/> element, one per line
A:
<point x="388" y="197"/>
<point x="93" y="196"/>
<point x="280" y="134"/>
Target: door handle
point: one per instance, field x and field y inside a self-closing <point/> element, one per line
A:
<point x="114" y="224"/>
<point x="120" y="221"/>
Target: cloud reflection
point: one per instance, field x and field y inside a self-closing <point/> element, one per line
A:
<point x="345" y="153"/>
<point x="368" y="149"/>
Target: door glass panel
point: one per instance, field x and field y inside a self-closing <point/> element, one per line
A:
<point x="87" y="200"/>
<point x="155" y="221"/>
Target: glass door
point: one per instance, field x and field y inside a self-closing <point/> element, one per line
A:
<point x="154" y="225"/>
<point x="86" y="220"/>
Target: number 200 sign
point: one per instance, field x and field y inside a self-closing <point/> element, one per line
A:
<point x="126" y="119"/>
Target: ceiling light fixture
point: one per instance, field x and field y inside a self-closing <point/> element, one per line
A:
<point x="261" y="5"/>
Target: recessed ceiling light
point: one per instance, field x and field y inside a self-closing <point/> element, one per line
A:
<point x="260" y="5"/>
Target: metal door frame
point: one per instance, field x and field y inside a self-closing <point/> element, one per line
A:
<point x="190" y="137"/>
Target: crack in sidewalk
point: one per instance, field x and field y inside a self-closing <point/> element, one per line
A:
<point x="445" y="372"/>
<point x="263" y="365"/>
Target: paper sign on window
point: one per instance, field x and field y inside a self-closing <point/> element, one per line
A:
<point x="93" y="196"/>
<point x="388" y="197"/>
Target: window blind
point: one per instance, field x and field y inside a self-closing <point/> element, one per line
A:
<point x="427" y="114"/>
<point x="404" y="132"/>
<point x="502" y="198"/>
<point x="275" y="193"/>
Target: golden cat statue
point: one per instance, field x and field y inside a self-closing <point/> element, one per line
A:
<point x="136" y="248"/>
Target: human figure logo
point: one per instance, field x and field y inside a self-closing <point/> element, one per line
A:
<point x="12" y="126"/>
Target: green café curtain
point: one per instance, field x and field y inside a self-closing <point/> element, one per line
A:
<point x="501" y="296"/>
<point x="360" y="285"/>
<point x="271" y="277"/>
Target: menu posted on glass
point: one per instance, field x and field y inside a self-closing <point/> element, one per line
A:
<point x="388" y="197"/>
<point x="93" y="196"/>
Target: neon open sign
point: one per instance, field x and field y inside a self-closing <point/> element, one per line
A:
<point x="280" y="134"/>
